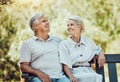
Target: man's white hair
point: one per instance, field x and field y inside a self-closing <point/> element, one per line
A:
<point x="34" y="19"/>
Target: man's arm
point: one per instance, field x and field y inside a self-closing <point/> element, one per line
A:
<point x="25" y="67"/>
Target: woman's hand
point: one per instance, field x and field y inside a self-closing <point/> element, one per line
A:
<point x="73" y="79"/>
<point x="69" y="74"/>
<point x="101" y="59"/>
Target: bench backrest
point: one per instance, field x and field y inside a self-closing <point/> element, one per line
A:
<point x="111" y="60"/>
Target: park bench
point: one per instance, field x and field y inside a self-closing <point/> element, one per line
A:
<point x="111" y="61"/>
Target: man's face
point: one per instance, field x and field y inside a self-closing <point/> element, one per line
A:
<point x="43" y="25"/>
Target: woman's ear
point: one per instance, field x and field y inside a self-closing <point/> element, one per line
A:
<point x="80" y="27"/>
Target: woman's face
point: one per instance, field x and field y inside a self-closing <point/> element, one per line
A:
<point x="73" y="28"/>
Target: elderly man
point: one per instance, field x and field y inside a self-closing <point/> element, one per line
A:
<point x="39" y="54"/>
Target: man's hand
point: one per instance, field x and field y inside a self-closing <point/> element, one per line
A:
<point x="43" y="77"/>
<point x="25" y="67"/>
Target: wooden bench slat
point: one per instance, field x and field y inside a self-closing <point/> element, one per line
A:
<point x="101" y="71"/>
<point x="112" y="72"/>
<point x="112" y="58"/>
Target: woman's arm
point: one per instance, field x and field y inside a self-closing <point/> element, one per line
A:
<point x="69" y="74"/>
<point x="101" y="59"/>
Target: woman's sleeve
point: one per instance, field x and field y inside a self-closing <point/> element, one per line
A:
<point x="96" y="49"/>
<point x="64" y="55"/>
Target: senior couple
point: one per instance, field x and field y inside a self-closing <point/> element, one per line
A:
<point x="49" y="59"/>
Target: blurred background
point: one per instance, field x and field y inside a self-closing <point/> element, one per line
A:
<point x="101" y="17"/>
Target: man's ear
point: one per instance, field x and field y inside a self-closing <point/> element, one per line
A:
<point x="35" y="26"/>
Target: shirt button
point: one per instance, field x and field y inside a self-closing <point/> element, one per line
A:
<point x="81" y="55"/>
<point x="79" y="62"/>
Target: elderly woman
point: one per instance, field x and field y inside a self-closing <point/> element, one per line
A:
<point x="76" y="52"/>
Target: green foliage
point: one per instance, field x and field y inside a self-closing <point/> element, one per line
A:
<point x="7" y="33"/>
<point x="102" y="24"/>
<point x="5" y="2"/>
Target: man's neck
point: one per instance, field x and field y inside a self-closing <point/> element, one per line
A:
<point x="44" y="36"/>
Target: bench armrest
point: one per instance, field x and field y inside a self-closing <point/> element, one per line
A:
<point x="25" y="75"/>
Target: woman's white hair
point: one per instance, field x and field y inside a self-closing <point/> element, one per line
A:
<point x="34" y="20"/>
<point x="78" y="21"/>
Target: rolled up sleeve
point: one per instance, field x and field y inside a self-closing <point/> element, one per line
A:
<point x="25" y="53"/>
<point x="64" y="55"/>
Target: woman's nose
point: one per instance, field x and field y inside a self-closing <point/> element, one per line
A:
<point x="47" y="22"/>
<point x="68" y="28"/>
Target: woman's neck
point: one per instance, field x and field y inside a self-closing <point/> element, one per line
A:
<point x="76" y="38"/>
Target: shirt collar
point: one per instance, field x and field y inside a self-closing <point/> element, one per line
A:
<point x="82" y="42"/>
<point x="36" y="38"/>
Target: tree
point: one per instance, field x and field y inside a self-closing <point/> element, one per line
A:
<point x="9" y="69"/>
